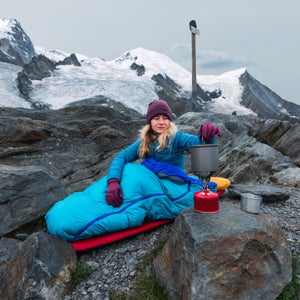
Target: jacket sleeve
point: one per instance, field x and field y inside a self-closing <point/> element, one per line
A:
<point x="185" y="141"/>
<point x="129" y="154"/>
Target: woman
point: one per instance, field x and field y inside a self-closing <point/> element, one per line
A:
<point x="159" y="140"/>
<point x="157" y="188"/>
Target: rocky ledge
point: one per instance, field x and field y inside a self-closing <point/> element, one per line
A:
<point x="71" y="148"/>
<point x="114" y="265"/>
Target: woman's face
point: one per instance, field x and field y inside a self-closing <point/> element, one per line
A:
<point x="160" y="124"/>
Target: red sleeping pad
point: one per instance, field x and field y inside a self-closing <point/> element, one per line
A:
<point x="97" y="241"/>
<point x="104" y="239"/>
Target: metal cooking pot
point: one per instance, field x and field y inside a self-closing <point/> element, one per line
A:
<point x="251" y="202"/>
<point x="204" y="158"/>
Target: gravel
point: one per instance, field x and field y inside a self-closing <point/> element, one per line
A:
<point x="114" y="266"/>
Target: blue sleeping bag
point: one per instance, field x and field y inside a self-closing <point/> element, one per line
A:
<point x="146" y="196"/>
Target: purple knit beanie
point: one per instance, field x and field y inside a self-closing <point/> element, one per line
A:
<point x="158" y="107"/>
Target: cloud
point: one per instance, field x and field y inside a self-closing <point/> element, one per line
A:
<point x="208" y="60"/>
<point x="218" y="60"/>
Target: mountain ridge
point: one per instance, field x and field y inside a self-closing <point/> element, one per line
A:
<point x="134" y="79"/>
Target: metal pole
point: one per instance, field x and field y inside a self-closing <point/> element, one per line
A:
<point x="194" y="30"/>
<point x="194" y="81"/>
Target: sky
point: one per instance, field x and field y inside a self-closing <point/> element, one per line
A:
<point x="260" y="35"/>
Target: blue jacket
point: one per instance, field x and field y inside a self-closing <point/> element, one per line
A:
<point x="173" y="154"/>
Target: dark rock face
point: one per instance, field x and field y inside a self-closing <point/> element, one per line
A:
<point x="74" y="144"/>
<point x="265" y="103"/>
<point x="17" y="47"/>
<point x="39" y="68"/>
<point x="291" y="107"/>
<point x="181" y="103"/>
<point x="140" y="69"/>
<point x="70" y="60"/>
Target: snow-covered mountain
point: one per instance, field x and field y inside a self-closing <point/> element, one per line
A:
<point x="134" y="79"/>
<point x="15" y="45"/>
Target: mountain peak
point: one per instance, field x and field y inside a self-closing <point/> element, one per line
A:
<point x="15" y="45"/>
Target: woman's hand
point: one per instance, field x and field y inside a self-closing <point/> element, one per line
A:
<point x="207" y="131"/>
<point x="114" y="195"/>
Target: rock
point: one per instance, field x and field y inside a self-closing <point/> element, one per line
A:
<point x="37" y="268"/>
<point x="38" y="68"/>
<point x="289" y="143"/>
<point x="75" y="144"/>
<point x="269" y="131"/>
<point x="263" y="102"/>
<point x="26" y="194"/>
<point x="228" y="255"/>
<point x="288" y="177"/>
<point x="242" y="158"/>
<point x="267" y="192"/>
<point x="15" y="46"/>
<point x="284" y="136"/>
<point x="70" y="60"/>
<point x="169" y="90"/>
<point x="140" y="69"/>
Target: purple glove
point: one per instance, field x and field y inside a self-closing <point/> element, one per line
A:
<point x="114" y="195"/>
<point x="207" y="131"/>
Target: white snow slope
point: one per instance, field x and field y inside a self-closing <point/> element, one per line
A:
<point x="115" y="79"/>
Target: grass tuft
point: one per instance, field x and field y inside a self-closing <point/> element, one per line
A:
<point x="79" y="274"/>
<point x="146" y="284"/>
<point x="292" y="290"/>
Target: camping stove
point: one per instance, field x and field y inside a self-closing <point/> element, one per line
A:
<point x="204" y="163"/>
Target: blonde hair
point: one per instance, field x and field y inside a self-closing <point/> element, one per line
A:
<point x="148" y="136"/>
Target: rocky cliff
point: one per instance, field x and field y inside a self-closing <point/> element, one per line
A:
<point x="75" y="146"/>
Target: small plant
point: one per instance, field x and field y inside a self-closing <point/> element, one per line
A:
<point x="40" y="224"/>
<point x="117" y="295"/>
<point x="29" y="228"/>
<point x="292" y="290"/>
<point x="147" y="286"/>
<point x="79" y="274"/>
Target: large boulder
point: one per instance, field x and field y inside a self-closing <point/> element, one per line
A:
<point x="228" y="255"/>
<point x="37" y="268"/>
<point x="27" y="193"/>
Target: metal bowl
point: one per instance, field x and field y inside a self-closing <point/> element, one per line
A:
<point x="251" y="203"/>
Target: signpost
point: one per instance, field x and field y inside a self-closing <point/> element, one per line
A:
<point x="194" y="31"/>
